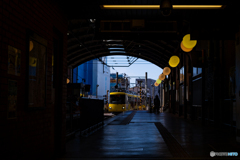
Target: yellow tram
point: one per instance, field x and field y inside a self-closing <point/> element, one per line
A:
<point x="121" y="101"/>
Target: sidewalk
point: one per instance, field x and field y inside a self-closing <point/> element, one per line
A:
<point x="152" y="136"/>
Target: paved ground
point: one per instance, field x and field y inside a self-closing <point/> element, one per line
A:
<point x="152" y="136"/>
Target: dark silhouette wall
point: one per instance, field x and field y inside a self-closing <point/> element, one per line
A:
<point x="31" y="132"/>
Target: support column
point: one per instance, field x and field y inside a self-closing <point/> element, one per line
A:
<point x="141" y="94"/>
<point x="177" y="90"/>
<point x="216" y="82"/>
<point x="70" y="74"/>
<point x="166" y="98"/>
<point x="190" y="84"/>
<point x="238" y="87"/>
<point x="174" y="90"/>
<point x="172" y="93"/>
<point x="185" y="85"/>
<point x="203" y="86"/>
<point x="163" y="94"/>
<point x="209" y="107"/>
<point x="169" y="93"/>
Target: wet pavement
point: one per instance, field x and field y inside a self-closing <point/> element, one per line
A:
<point x="152" y="136"/>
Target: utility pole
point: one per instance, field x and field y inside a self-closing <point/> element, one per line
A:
<point x="140" y="93"/>
<point x="152" y="95"/>
<point x="153" y="92"/>
<point x="117" y="81"/>
<point x="126" y="83"/>
<point x="137" y="96"/>
<point x="146" y="90"/>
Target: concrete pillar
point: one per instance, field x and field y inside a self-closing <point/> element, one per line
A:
<point x="238" y="87"/>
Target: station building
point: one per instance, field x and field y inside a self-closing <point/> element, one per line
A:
<point x="38" y="45"/>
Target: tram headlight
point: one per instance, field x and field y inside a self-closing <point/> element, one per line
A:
<point x="123" y="107"/>
<point x="110" y="107"/>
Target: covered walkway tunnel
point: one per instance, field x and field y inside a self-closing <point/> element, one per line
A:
<point x="41" y="43"/>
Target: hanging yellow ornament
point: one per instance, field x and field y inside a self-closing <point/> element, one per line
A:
<point x="161" y="77"/>
<point x="184" y="48"/>
<point x="166" y="71"/>
<point x="30" y="46"/>
<point x="174" y="61"/>
<point x="32" y="61"/>
<point x="158" y="81"/>
<point x="68" y="80"/>
<point x="187" y="42"/>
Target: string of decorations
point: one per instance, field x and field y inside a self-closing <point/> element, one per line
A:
<point x="186" y="45"/>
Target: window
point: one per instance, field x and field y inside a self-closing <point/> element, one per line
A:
<point x="182" y="95"/>
<point x="197" y="71"/>
<point x="37" y="58"/>
<point x="117" y="99"/>
<point x="129" y="98"/>
<point x="169" y="84"/>
<point x="182" y="75"/>
<point x="194" y="71"/>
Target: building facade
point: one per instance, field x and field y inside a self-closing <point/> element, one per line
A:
<point x="153" y="90"/>
<point x="122" y="81"/>
<point x="95" y="74"/>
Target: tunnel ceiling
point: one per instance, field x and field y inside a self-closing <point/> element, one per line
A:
<point x="146" y="34"/>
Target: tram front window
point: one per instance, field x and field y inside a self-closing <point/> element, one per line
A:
<point x="117" y="99"/>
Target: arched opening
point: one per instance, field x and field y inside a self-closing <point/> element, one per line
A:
<point x="41" y="40"/>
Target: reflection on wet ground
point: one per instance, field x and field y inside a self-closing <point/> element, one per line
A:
<point x="152" y="136"/>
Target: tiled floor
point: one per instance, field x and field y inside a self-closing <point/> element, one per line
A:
<point x="140" y="139"/>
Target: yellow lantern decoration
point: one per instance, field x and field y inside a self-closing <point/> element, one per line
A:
<point x="184" y="48"/>
<point x="33" y="61"/>
<point x="158" y="81"/>
<point x="174" y="61"/>
<point x="30" y="46"/>
<point x="68" y="80"/>
<point x="161" y="77"/>
<point x="166" y="71"/>
<point x="187" y="42"/>
<point x="156" y="84"/>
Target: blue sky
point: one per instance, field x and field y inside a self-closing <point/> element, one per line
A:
<point x="138" y="68"/>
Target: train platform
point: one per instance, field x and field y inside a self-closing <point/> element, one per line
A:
<point x="144" y="135"/>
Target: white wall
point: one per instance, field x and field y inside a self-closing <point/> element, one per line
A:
<point x="103" y="79"/>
